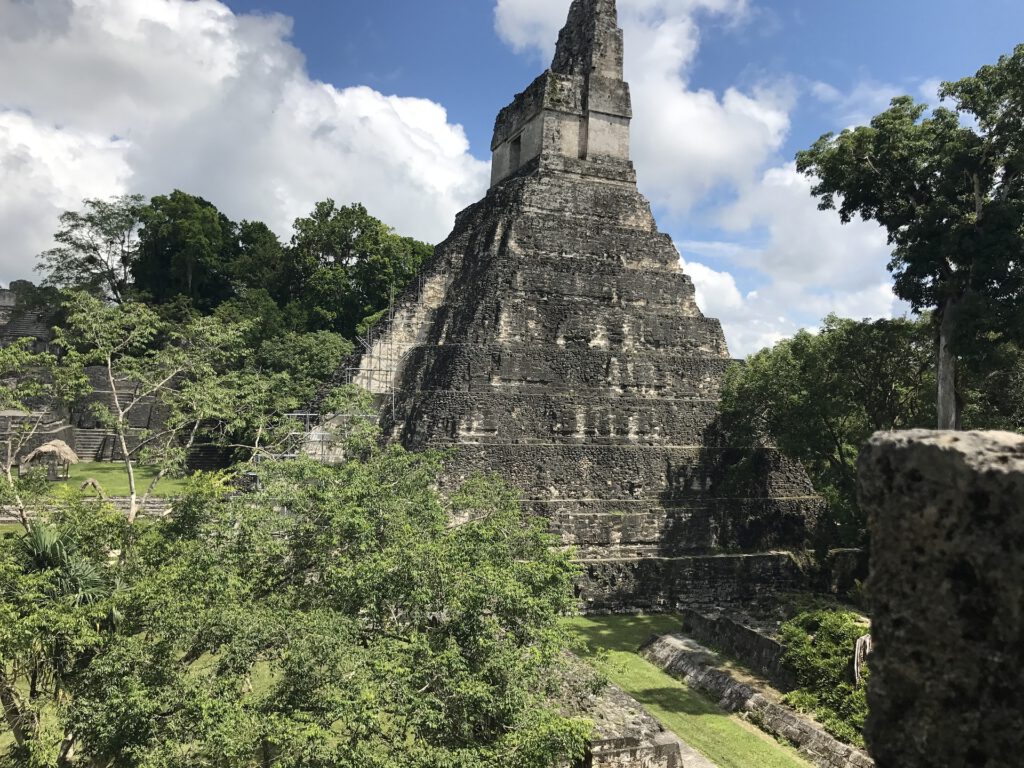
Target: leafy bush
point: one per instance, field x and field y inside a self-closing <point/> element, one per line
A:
<point x="821" y="646"/>
<point x="335" y="617"/>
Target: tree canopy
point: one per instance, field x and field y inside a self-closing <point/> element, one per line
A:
<point x="346" y="266"/>
<point x="96" y="248"/>
<point x="186" y="249"/>
<point x="182" y="256"/>
<point x="949" y="190"/>
<point x="819" y="397"/>
<point x="333" y="617"/>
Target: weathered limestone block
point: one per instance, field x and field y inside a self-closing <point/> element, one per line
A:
<point x="753" y="647"/>
<point x="947" y="595"/>
<point x="702" y="581"/>
<point x="511" y="416"/>
<point x="628" y="737"/>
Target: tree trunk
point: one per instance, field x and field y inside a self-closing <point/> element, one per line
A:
<point x="946" y="368"/>
<point x="12" y="712"/>
<point x="66" y="758"/>
<point x="133" y="504"/>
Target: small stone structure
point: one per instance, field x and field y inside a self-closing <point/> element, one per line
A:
<point x="554" y="339"/>
<point x="17" y="324"/>
<point x="626" y="736"/>
<point x="946" y="513"/>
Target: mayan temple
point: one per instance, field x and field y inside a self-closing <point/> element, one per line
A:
<point x="555" y="339"/>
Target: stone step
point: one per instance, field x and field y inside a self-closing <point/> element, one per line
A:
<point x="706" y="582"/>
<point x="586" y="275"/>
<point x="93" y="444"/>
<point x="614" y="472"/>
<point x="551" y="370"/>
<point x="645" y="527"/>
<point x="142" y="416"/>
<point x="514" y="417"/>
<point x="589" y="325"/>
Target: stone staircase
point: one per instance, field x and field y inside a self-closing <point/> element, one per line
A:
<point x="94" y="444"/>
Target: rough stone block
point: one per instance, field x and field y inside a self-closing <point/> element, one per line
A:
<point x="947" y="595"/>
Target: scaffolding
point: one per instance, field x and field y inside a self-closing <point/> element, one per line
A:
<point x="377" y="371"/>
<point x="380" y="360"/>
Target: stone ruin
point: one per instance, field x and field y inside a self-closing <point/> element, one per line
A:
<point x="554" y="339"/>
<point x="946" y="513"/>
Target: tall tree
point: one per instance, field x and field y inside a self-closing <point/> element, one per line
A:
<point x="260" y="260"/>
<point x="145" y="360"/>
<point x="186" y="249"/>
<point x="346" y="266"/>
<point x="97" y="248"/>
<point x="948" y="189"/>
<point x="334" y="617"/>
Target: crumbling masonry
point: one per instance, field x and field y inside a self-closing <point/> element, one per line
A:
<point x="554" y="339"/>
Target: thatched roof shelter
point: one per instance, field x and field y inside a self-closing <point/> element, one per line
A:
<point x="56" y="449"/>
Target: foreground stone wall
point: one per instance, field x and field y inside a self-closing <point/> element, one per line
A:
<point x="947" y="593"/>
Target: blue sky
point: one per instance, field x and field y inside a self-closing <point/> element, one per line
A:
<point x="449" y="51"/>
<point x="266" y="106"/>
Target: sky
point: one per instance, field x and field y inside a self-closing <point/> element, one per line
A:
<point x="264" y="107"/>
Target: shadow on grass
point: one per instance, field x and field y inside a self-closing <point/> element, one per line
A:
<point x="680" y="701"/>
<point x="621" y="633"/>
<point x="697" y="719"/>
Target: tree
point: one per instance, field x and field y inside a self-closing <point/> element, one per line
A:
<point x="819" y="397"/>
<point x="346" y="266"/>
<point x="97" y="248"/>
<point x="333" y="617"/>
<point x="57" y="585"/>
<point x="186" y="249"/>
<point x="144" y="360"/>
<point x="992" y="379"/>
<point x="948" y="189"/>
<point x="260" y="262"/>
<point x="309" y="360"/>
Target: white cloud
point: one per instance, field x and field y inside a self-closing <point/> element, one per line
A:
<point x="717" y="293"/>
<point x="531" y="25"/>
<point x="46" y="171"/>
<point x="868" y="98"/>
<point x="929" y="91"/>
<point x="806" y="264"/>
<point x="104" y="96"/>
<point x="804" y="244"/>
<point x="858" y="105"/>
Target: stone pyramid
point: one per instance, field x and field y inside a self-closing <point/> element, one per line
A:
<point x="554" y="339"/>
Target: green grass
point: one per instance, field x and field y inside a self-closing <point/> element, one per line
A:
<point x="114" y="480"/>
<point x="10" y="529"/>
<point x="723" y="738"/>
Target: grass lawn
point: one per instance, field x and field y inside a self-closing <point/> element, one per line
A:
<point x="723" y="738"/>
<point x="114" y="479"/>
<point x="10" y="529"/>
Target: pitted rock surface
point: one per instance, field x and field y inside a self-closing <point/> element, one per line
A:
<point x="554" y="339"/>
<point x="946" y="512"/>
